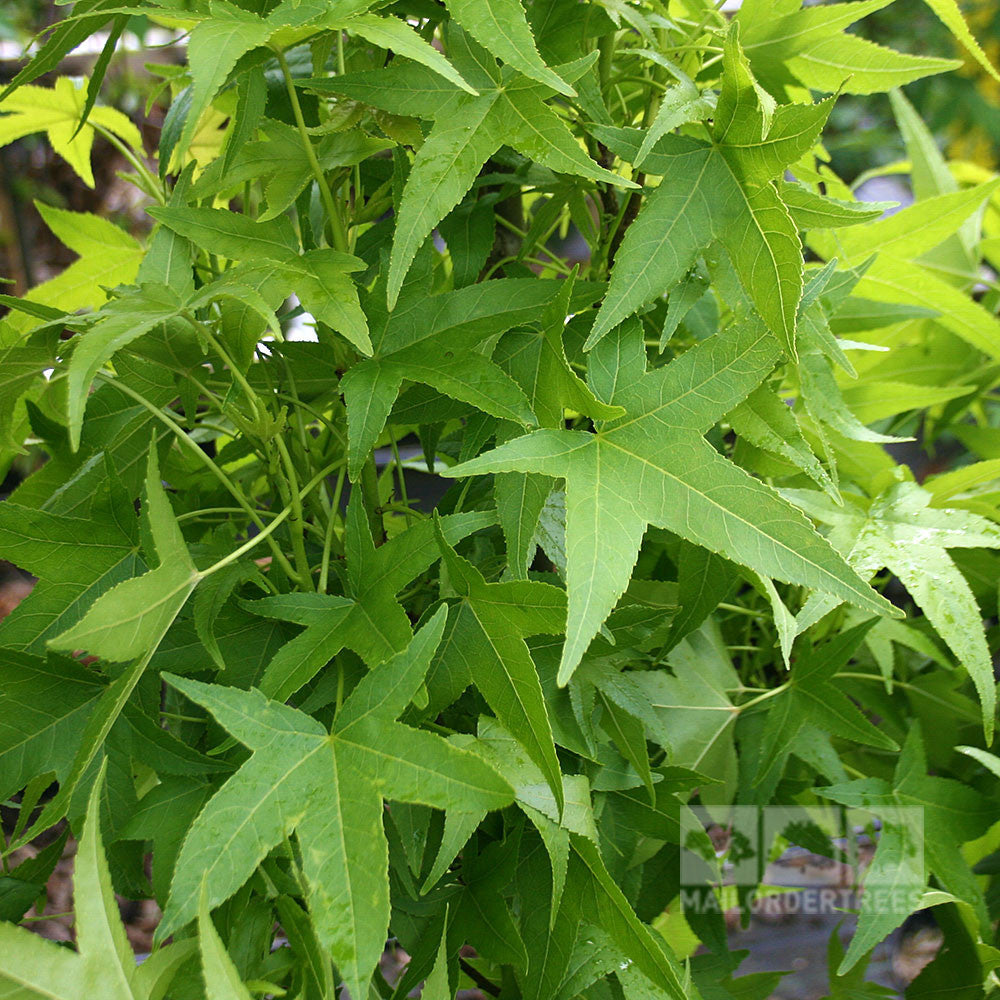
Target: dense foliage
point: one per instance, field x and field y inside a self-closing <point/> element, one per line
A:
<point x="579" y="270"/>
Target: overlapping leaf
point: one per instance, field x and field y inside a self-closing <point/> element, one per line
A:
<point x="77" y="554"/>
<point x="811" y="48"/>
<point x="900" y="274"/>
<point x="435" y="340"/>
<point x="812" y="698"/>
<point x="130" y="619"/>
<point x="371" y="621"/>
<point x="901" y="531"/>
<point x="468" y="130"/>
<point x="57" y="112"/>
<point x="328" y="788"/>
<point x="487" y="631"/>
<point x="925" y="820"/>
<point x="104" y="964"/>
<point x="321" y="278"/>
<point x="652" y="466"/>
<point x="723" y="190"/>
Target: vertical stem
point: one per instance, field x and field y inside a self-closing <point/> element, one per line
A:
<point x="296" y="526"/>
<point x="400" y="476"/>
<point x="337" y="229"/>
<point x="324" y="569"/>
<point x="203" y="331"/>
<point x="370" y="498"/>
<point x="606" y="48"/>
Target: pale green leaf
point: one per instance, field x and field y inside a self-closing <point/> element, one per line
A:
<point x="856" y="65"/>
<point x="213" y="49"/>
<point x="912" y="231"/>
<point x="57" y="112"/>
<point x="764" y="420"/>
<point x="680" y="104"/>
<point x="951" y="17"/>
<point x="989" y="760"/>
<point x="808" y="46"/>
<point x="813" y="211"/>
<point x="436" y="985"/>
<point x="131" y="618"/>
<point x="222" y="981"/>
<point x="653" y="467"/>
<point x="501" y="27"/>
<point x="108" y="256"/>
<point x="391" y="33"/>
<point x="899" y="530"/>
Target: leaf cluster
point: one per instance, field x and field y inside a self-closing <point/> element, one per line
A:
<point x="487" y="461"/>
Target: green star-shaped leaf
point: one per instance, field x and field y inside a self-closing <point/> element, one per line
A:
<point x="952" y="813"/>
<point x="57" y="112"/>
<point x="272" y="263"/>
<point x="435" y="340"/>
<point x="328" y="788"/>
<point x="900" y="531"/>
<point x="723" y="190"/>
<point x="536" y="360"/>
<point x="811" y="698"/>
<point x="107" y="256"/>
<point x="509" y="109"/>
<point x="653" y="466"/>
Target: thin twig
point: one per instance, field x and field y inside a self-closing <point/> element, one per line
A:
<point x="486" y="985"/>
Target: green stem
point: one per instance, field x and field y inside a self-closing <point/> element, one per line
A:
<point x="150" y="185"/>
<point x="556" y="262"/>
<point x="737" y="609"/>
<point x="606" y="48"/>
<point x="192" y="514"/>
<point x="762" y="697"/>
<point x="337" y="229"/>
<point x="266" y="532"/>
<point x="324" y="569"/>
<point x="400" y="476"/>
<point x="295" y="526"/>
<point x="644" y="80"/>
<point x="914" y="689"/>
<point x="202" y="330"/>
<point x="248" y="545"/>
<point x="370" y="498"/>
<point x="226" y="482"/>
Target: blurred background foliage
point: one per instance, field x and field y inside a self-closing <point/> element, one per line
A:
<point x="962" y="109"/>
